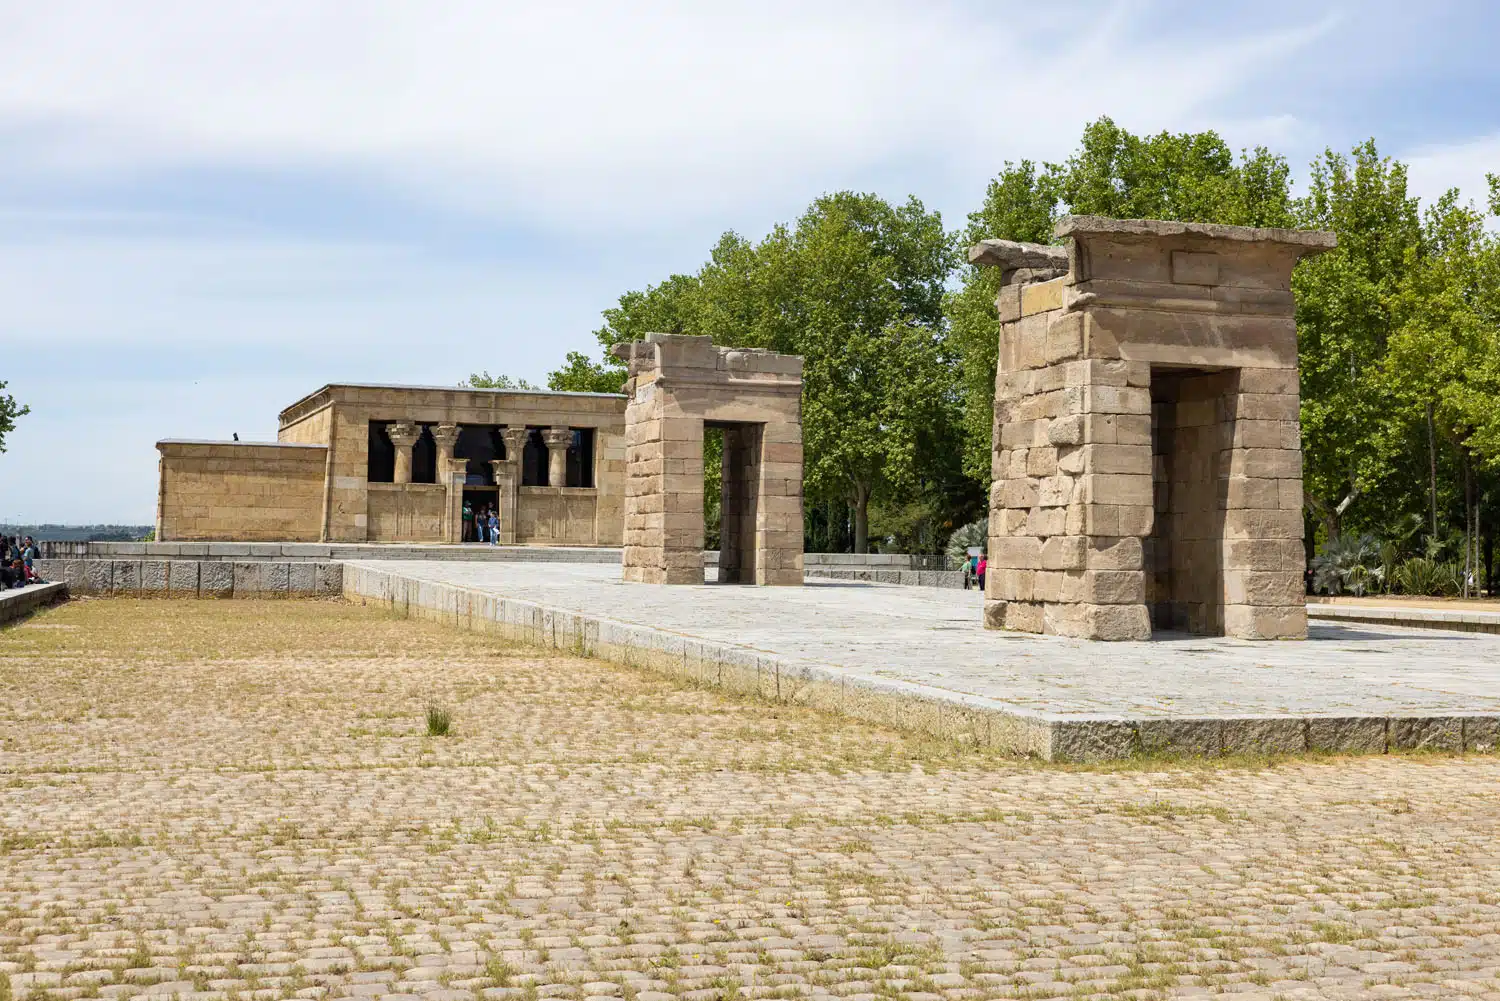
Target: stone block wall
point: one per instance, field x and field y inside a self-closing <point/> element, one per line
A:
<point x="240" y="490"/>
<point x="178" y="578"/>
<point x="407" y="512"/>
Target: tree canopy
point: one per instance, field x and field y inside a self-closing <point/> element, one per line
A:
<point x="9" y="411"/>
<point x="1399" y="333"/>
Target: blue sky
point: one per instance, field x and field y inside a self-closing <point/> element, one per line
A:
<point x="209" y="210"/>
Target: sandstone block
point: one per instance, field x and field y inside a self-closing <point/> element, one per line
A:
<point x="1121" y="489"/>
<point x="1114" y="587"/>
<point x="1018" y="552"/>
<point x="1114" y="553"/>
<point x="1066" y="430"/>
<point x="1064" y="552"/>
<point x="1117" y="622"/>
<point x="1274" y="381"/>
<point x="1262" y="622"/>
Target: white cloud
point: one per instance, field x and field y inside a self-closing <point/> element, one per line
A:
<point x="592" y="114"/>
<point x="1433" y="170"/>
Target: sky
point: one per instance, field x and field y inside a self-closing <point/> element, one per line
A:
<point x="209" y="210"/>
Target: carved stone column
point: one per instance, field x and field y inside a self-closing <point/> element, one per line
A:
<point x="404" y="435"/>
<point x="451" y="475"/>
<point x="557" y="441"/>
<point x="508" y="480"/>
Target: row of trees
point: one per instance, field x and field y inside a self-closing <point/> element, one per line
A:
<point x="1399" y="331"/>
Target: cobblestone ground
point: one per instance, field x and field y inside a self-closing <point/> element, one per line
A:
<point x="239" y="799"/>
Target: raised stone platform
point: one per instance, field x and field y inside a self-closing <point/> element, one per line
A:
<point x="17" y="603"/>
<point x="918" y="658"/>
<point x="1459" y="619"/>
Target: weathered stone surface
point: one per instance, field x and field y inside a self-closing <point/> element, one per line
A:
<point x="677" y="385"/>
<point x="216" y="579"/>
<point x="125" y="577"/>
<point x="154" y="577"/>
<point x="1436" y="733"/>
<point x="1351" y="735"/>
<point x="1151" y="395"/>
<point x="182" y="578"/>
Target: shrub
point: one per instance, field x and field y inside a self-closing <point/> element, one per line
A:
<point x="1349" y="564"/>
<point x="1425" y="576"/>
<point x="439" y="720"/>
<point x="975" y="533"/>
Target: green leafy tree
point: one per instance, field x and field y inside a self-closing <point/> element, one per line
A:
<point x="1020" y="204"/>
<point x="483" y="380"/>
<point x="1345" y="319"/>
<point x="9" y="411"/>
<point x="856" y="288"/>
<point x="579" y="374"/>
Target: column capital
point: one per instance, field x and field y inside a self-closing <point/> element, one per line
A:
<point x="515" y="441"/>
<point x="558" y="437"/>
<point x="403" y="434"/>
<point x="445" y="435"/>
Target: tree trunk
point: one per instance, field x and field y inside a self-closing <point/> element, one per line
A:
<point x="861" y="499"/>
<point x="1469" y="520"/>
<point x="1432" y="470"/>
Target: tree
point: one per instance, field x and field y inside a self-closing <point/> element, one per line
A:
<point x="9" y="411"/>
<point x="1345" y="302"/>
<point x="1444" y="357"/>
<point x="1019" y="204"/>
<point x="483" y="380"/>
<point x="856" y="288"/>
<point x="580" y="375"/>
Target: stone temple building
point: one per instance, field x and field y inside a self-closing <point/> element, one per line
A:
<point x="362" y="463"/>
<point x="1147" y="456"/>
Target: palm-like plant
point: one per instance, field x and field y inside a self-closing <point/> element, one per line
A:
<point x="1348" y="564"/>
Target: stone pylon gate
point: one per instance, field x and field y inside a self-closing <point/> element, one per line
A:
<point x="1147" y="456"/>
<point x="678" y="386"/>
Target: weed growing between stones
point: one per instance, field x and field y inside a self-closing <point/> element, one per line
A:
<point x="439" y="721"/>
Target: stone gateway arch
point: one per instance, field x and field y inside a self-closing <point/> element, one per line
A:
<point x="1147" y="466"/>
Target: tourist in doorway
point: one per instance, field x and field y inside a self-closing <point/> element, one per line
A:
<point x="480" y="520"/>
<point x="494" y="527"/>
<point x="468" y="534"/>
<point x="980" y="566"/>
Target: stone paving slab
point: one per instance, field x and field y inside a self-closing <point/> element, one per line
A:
<point x="919" y="658"/>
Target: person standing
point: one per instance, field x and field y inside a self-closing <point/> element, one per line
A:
<point x="468" y="533"/>
<point x="494" y="527"/>
<point x="979" y="568"/>
<point x="481" y="519"/>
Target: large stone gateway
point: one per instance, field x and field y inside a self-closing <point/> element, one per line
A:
<point x="680" y="385"/>
<point x="1147" y="458"/>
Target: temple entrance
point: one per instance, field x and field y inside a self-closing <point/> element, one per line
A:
<point x="739" y="499"/>
<point x="481" y="498"/>
<point x="1192" y="430"/>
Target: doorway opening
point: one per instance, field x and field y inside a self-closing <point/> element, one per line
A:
<point x="739" y="499"/>
<point x="1192" y="431"/>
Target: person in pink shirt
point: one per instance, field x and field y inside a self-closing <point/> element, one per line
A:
<point x="979" y="569"/>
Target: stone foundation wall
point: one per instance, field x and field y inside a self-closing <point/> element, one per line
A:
<point x="240" y="490"/>
<point x="195" y="578"/>
<point x="558" y="516"/>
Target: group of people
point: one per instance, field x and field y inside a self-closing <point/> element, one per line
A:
<point x="16" y="557"/>
<point x="482" y="525"/>
<point x="974" y="570"/>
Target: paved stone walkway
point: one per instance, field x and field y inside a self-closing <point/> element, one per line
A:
<point x="933" y="638"/>
<point x="220" y="800"/>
